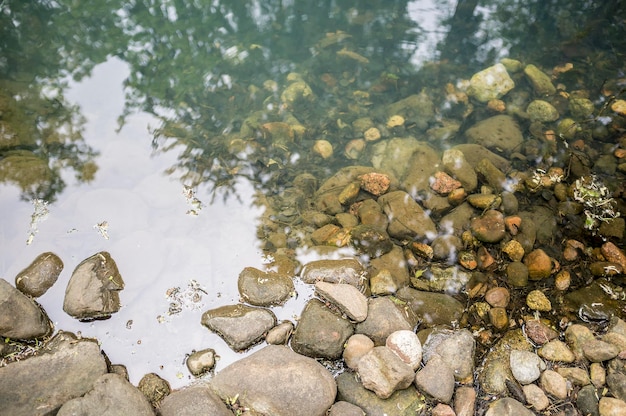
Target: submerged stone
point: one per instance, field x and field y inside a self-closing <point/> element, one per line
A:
<point x="348" y="271"/>
<point x="407" y="219"/>
<point x="498" y="133"/>
<point x="490" y="83"/>
<point x="432" y="308"/>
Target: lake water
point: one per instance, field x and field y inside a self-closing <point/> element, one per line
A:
<point x="190" y="74"/>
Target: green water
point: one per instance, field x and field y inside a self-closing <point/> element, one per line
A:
<point x="98" y="98"/>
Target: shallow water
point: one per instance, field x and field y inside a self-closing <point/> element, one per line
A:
<point x="156" y="243"/>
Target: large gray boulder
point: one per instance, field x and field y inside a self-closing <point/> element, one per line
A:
<point x="64" y="369"/>
<point x="241" y="326"/>
<point x="111" y="395"/>
<point x="277" y="381"/>
<point x="20" y="316"/>
<point x="92" y="292"/>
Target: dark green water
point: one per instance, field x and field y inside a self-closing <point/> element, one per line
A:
<point x="108" y="108"/>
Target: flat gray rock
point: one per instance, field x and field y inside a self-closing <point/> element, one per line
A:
<point x="277" y="381"/>
<point x="383" y="372"/>
<point x="111" y="395"/>
<point x="241" y="326"/>
<point x="456" y="349"/>
<point x="20" y="316"/>
<point x="432" y="308"/>
<point x="383" y="318"/>
<point x="67" y="368"/>
<point x="348" y="271"/>
<point x="194" y="400"/>
<point x="500" y="133"/>
<point x="436" y="379"/>
<point x="320" y="333"/>
<point x="407" y="402"/>
<point x="346" y="297"/>
<point x="260" y="288"/>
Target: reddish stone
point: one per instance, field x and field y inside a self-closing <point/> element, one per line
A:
<point x="539" y="332"/>
<point x="498" y="297"/>
<point x="375" y="183"/>
<point x="443" y="183"/>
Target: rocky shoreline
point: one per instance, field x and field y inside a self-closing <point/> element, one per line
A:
<point x="476" y="286"/>
<point x="389" y="369"/>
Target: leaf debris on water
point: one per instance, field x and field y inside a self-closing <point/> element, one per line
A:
<point x="103" y="228"/>
<point x="179" y="299"/>
<point x="40" y="213"/>
<point x="195" y="204"/>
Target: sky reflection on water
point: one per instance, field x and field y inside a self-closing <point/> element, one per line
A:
<point x="155" y="244"/>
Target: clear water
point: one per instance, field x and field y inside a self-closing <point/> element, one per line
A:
<point x="184" y="76"/>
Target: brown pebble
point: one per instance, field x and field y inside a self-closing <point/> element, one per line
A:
<point x="538" y="332"/>
<point x="498" y="297"/>
<point x="489" y="228"/>
<point x="539" y="264"/>
<point x="498" y="318"/>
<point x="375" y="183"/>
<point x="514" y="250"/>
<point x="457" y="196"/>
<point x="464" y="401"/>
<point x="572" y="250"/>
<point x="613" y="254"/>
<point x="422" y="250"/>
<point x="442" y="410"/>
<point x="485" y="259"/>
<point x="562" y="280"/>
<point x="468" y="260"/>
<point x="512" y="224"/>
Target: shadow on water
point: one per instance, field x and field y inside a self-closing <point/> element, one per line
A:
<point x="236" y="94"/>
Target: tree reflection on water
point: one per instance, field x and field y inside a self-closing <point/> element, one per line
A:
<point x="214" y="73"/>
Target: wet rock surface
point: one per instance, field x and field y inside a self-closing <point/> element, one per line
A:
<point x="194" y="400"/>
<point x="93" y="289"/>
<point x="241" y="326"/>
<point x="321" y="332"/>
<point x="111" y="395"/>
<point x="40" y="275"/>
<point x="20" y="316"/>
<point x="383" y="372"/>
<point x="264" y="288"/>
<point x="291" y="383"/>
<point x="41" y="384"/>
